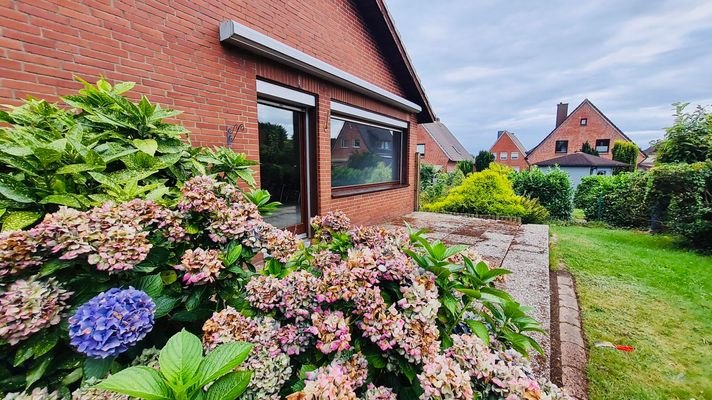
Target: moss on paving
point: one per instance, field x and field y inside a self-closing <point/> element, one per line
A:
<point x="642" y="290"/>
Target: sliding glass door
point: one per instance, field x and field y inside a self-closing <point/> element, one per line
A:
<point x="283" y="166"/>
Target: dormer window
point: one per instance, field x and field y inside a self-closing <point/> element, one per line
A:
<point x="583" y="122"/>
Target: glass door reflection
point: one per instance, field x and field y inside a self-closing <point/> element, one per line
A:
<point x="281" y="135"/>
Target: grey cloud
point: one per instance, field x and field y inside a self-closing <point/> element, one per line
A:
<point x="491" y="65"/>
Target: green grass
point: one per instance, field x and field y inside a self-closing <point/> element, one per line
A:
<point x="641" y="290"/>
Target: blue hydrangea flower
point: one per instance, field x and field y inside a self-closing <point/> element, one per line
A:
<point x="112" y="322"/>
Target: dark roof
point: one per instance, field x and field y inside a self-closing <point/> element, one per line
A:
<point x="585" y="101"/>
<point x="515" y="140"/>
<point x="453" y="149"/>
<point x="581" y="160"/>
<point x="381" y="25"/>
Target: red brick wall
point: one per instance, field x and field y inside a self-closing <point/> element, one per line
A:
<point x="434" y="155"/>
<point x="172" y="51"/>
<point x="506" y="144"/>
<point x="596" y="128"/>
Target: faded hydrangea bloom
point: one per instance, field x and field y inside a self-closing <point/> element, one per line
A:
<point x="17" y="252"/>
<point x="29" y="306"/>
<point x="443" y="378"/>
<point x="111" y="322"/>
<point x="332" y="222"/>
<point x="200" y="266"/>
<point x="35" y="394"/>
<point x="338" y="380"/>
<point x="267" y="361"/>
<point x="148" y="358"/>
<point x="331" y="330"/>
<point x="379" y="393"/>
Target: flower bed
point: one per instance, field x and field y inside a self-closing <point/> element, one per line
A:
<point x="360" y="313"/>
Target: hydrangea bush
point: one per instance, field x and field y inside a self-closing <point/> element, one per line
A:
<point x="359" y="313"/>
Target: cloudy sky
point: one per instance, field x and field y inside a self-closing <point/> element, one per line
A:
<point x="489" y="65"/>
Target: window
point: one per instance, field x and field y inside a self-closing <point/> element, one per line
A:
<point x="583" y="122"/>
<point x="495" y="156"/>
<point x="377" y="159"/>
<point x="601" y="172"/>
<point x="602" y="145"/>
<point x="502" y="155"/>
<point x="562" y="146"/>
<point x="420" y="148"/>
<point x="514" y="155"/>
<point x="344" y="144"/>
<point x="357" y="143"/>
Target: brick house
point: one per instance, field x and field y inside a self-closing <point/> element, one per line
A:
<point x="289" y="75"/>
<point x="439" y="147"/>
<point x="586" y="123"/>
<point x="508" y="150"/>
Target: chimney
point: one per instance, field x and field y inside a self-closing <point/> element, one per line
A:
<point x="499" y="134"/>
<point x="562" y="111"/>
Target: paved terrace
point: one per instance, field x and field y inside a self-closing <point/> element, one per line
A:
<point x="522" y="249"/>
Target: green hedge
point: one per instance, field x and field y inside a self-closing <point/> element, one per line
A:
<point x="553" y="190"/>
<point x="490" y="192"/>
<point x="670" y="197"/>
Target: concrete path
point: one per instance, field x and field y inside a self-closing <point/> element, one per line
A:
<point x="522" y="249"/>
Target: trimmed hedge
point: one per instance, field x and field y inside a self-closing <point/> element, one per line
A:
<point x="553" y="190"/>
<point x="490" y="192"/>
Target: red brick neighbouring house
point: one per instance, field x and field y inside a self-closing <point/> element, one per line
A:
<point x="508" y="150"/>
<point x="586" y="123"/>
<point x="290" y="74"/>
<point x="440" y="147"/>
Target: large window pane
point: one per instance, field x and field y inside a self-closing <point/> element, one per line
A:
<point x="363" y="154"/>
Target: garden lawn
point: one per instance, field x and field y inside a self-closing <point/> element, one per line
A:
<point x="641" y="290"/>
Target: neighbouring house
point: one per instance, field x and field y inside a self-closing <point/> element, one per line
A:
<point x="649" y="161"/>
<point x="439" y="147"/>
<point x="586" y="123"/>
<point x="508" y="150"/>
<point x="578" y="165"/>
<point x="303" y="84"/>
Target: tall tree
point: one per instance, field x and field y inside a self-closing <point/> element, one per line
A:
<point x="586" y="148"/>
<point x="483" y="160"/>
<point x="626" y="152"/>
<point x="689" y="140"/>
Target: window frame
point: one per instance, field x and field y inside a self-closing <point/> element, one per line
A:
<point x="514" y="155"/>
<point x="505" y="154"/>
<point x="357" y="143"/>
<point x="556" y="147"/>
<point x="351" y="190"/>
<point x="583" y="122"/>
<point x="608" y="145"/>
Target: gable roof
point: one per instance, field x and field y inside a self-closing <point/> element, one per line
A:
<point x="382" y="26"/>
<point x="514" y="139"/>
<point x="585" y="101"/>
<point x="448" y="143"/>
<point x="581" y="160"/>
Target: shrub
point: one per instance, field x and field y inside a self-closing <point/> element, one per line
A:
<point x="586" y="148"/>
<point x="619" y="200"/>
<point x="626" y="152"/>
<point x="488" y="192"/>
<point x="359" y="312"/>
<point x="689" y="140"/>
<point x="104" y="147"/>
<point x="444" y="181"/>
<point x="427" y="176"/>
<point x="552" y="189"/>
<point x="466" y="166"/>
<point x="483" y="160"/>
<point x="680" y="197"/>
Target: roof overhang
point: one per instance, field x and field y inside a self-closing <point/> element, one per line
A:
<point x="249" y="39"/>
